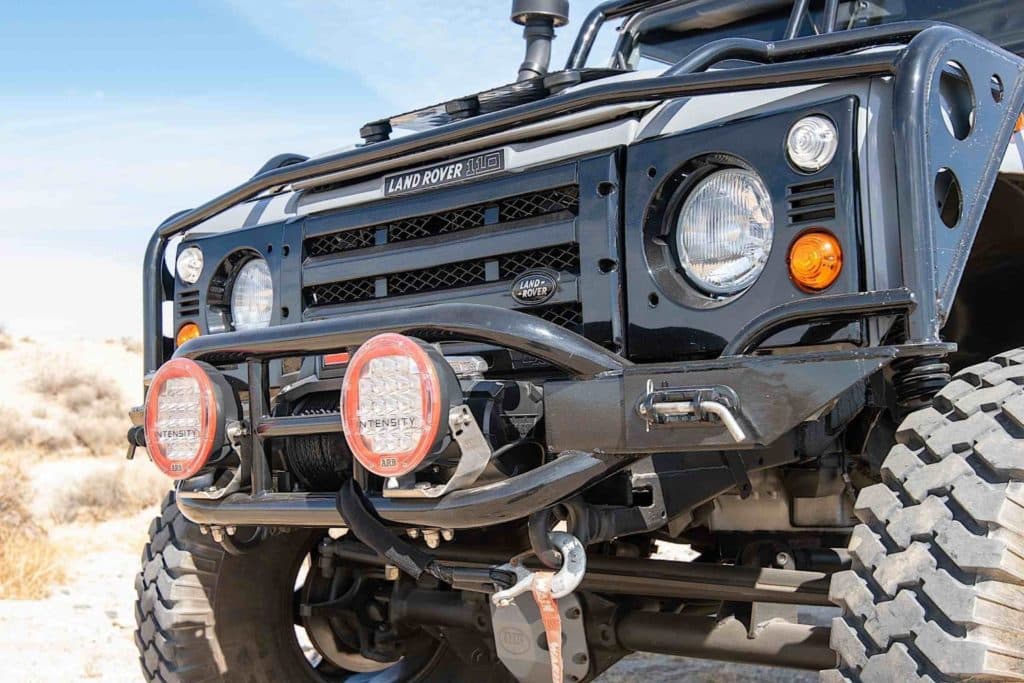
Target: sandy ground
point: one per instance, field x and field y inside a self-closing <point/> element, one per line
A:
<point x="83" y="631"/>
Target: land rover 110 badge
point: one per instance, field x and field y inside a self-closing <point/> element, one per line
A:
<point x="534" y="287"/>
<point x="448" y="173"/>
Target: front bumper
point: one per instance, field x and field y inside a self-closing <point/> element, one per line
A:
<point x="592" y="417"/>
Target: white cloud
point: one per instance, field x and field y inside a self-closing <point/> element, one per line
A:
<point x="411" y="52"/>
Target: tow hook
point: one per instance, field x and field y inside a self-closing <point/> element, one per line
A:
<point x="691" y="404"/>
<point x="564" y="581"/>
<point x="547" y="587"/>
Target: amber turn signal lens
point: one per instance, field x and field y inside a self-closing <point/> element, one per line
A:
<point x="188" y="332"/>
<point x="815" y="260"/>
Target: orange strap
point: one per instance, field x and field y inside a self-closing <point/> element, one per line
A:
<point x="551" y="619"/>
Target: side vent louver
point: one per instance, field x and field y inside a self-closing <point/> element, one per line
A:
<point x="815" y="201"/>
<point x="188" y="304"/>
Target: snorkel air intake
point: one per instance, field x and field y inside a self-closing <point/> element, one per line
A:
<point x="539" y="19"/>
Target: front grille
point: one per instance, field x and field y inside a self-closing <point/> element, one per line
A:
<point x="507" y="210"/>
<point x="506" y="267"/>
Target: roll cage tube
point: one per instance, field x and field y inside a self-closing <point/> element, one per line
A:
<point x="641" y="12"/>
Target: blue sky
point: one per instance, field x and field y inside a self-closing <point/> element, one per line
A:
<point x="115" y="114"/>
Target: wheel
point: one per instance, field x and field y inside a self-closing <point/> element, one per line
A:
<point x="936" y="591"/>
<point x="203" y="614"/>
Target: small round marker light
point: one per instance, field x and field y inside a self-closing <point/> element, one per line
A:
<point x="187" y="333"/>
<point x="394" y="403"/>
<point x="815" y="260"/>
<point x="190" y="264"/>
<point x="812" y="143"/>
<point x="183" y="418"/>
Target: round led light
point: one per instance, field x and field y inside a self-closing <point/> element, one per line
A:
<point x="181" y="418"/>
<point x="724" y="232"/>
<point x="190" y="264"/>
<point x="252" y="296"/>
<point x="812" y="143"/>
<point x="391" y="405"/>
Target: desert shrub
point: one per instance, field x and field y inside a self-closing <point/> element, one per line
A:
<point x="29" y="561"/>
<point x="6" y="342"/>
<point x="15" y="430"/>
<point x="97" y="411"/>
<point x="109" y="492"/>
<point x="131" y="344"/>
<point x="78" y="389"/>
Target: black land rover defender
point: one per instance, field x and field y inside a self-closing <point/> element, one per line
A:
<point x="448" y="405"/>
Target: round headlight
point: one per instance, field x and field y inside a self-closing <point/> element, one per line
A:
<point x="724" y="232"/>
<point x="812" y="142"/>
<point x="252" y="296"/>
<point x="190" y="264"/>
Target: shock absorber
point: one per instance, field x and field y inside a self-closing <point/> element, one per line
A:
<point x="917" y="380"/>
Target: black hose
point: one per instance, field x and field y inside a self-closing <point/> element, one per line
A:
<point x="367" y="528"/>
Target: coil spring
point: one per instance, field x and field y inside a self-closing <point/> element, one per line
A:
<point x="917" y="380"/>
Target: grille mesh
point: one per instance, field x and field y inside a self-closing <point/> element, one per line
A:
<point x="569" y="316"/>
<point x="346" y="292"/>
<point x="464" y="274"/>
<point x="563" y="258"/>
<point x="517" y="208"/>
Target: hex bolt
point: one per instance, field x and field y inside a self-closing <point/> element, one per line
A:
<point x="231" y="530"/>
<point x="782" y="559"/>
<point x="413" y="533"/>
<point x="432" y="537"/>
<point x="391" y="572"/>
<point x="203" y="529"/>
<point x="218" y="533"/>
<point x="572" y="613"/>
<point x="448" y="534"/>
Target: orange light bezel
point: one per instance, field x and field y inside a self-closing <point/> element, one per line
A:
<point x="176" y="368"/>
<point x="187" y="333"/>
<point x="391" y="464"/>
<point x="826" y="276"/>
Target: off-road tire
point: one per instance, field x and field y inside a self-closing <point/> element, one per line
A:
<point x="203" y="614"/>
<point x="936" y="592"/>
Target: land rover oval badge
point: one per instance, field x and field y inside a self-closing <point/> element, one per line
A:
<point x="534" y="287"/>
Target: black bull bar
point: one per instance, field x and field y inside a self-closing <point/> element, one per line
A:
<point x="592" y="417"/>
